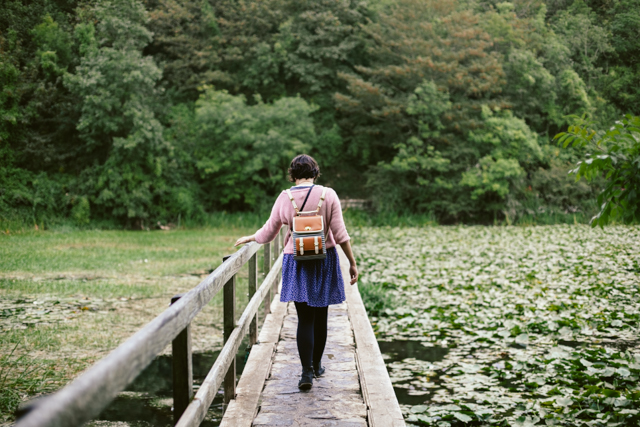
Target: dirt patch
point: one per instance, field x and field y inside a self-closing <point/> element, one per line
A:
<point x="27" y="312"/>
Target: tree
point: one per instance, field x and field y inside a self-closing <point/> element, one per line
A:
<point x="411" y="112"/>
<point x="411" y="42"/>
<point x="274" y="48"/>
<point x="36" y="123"/>
<point x="542" y="87"/>
<point x="227" y="43"/>
<point x="117" y="88"/>
<point x="587" y="41"/>
<point x="187" y="42"/>
<point x="35" y="44"/>
<point x="621" y="83"/>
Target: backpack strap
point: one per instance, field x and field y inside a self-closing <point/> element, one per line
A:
<point x="293" y="202"/>
<point x="306" y="198"/>
<point x="295" y="206"/>
<point x="324" y="193"/>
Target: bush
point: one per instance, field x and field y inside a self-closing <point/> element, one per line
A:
<point x="239" y="151"/>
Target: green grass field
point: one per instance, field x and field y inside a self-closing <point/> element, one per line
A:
<point x="68" y="298"/>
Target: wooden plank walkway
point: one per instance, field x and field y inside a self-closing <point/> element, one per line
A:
<point x="355" y="391"/>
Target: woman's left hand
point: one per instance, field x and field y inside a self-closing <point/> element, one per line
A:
<point x="245" y="239"/>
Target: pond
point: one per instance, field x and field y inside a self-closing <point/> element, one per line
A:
<point x="400" y="357"/>
<point x="507" y="326"/>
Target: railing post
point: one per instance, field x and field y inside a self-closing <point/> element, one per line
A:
<point x="182" y="370"/>
<point x="266" y="268"/>
<point x="229" y="308"/>
<point x="274" y="256"/>
<point x="253" y="285"/>
<point x="281" y="235"/>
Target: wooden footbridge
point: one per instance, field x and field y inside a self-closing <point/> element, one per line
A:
<point x="355" y="390"/>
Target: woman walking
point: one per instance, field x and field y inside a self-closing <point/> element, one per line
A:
<point x="312" y="284"/>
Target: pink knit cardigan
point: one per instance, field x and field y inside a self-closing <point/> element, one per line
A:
<point x="283" y="213"/>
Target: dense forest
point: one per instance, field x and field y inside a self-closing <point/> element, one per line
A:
<point x="139" y="111"/>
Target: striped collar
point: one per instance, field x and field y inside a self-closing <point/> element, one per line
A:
<point x="301" y="187"/>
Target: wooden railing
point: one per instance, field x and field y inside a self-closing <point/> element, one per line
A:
<point x="86" y="396"/>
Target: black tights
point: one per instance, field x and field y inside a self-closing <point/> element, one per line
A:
<point x="312" y="333"/>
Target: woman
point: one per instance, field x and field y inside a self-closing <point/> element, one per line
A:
<point x="314" y="284"/>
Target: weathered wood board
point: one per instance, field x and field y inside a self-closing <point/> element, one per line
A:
<point x="334" y="399"/>
<point x="382" y="404"/>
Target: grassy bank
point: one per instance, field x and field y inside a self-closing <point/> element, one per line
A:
<point x="68" y="298"/>
<point x="22" y="223"/>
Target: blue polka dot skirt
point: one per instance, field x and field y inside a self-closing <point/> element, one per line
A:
<point x="316" y="282"/>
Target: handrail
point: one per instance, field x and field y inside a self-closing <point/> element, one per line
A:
<point x="197" y="409"/>
<point x="86" y="396"/>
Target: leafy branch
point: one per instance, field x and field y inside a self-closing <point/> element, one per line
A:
<point x="615" y="155"/>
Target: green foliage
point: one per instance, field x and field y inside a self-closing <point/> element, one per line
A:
<point x="39" y="125"/>
<point x="9" y="97"/>
<point x="367" y="218"/>
<point x="54" y="47"/>
<point x="586" y="40"/>
<point x="417" y="161"/>
<point x="444" y="150"/>
<point x="492" y="177"/>
<point x="509" y="150"/>
<point x="114" y="81"/>
<point x="615" y="155"/>
<point x="241" y="152"/>
<point x="186" y="40"/>
<point x="81" y="211"/>
<point x="506" y="137"/>
<point x="319" y="39"/>
<point x="427" y="107"/>
<point x="427" y="104"/>
<point x="573" y="92"/>
<point x="496" y="160"/>
<point x="531" y="87"/>
<point x="554" y="191"/>
<point x="411" y="42"/>
<point x="622" y="82"/>
<point x="117" y="86"/>
<point x="30" y="198"/>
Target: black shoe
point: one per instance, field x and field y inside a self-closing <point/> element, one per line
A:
<point x="317" y="371"/>
<point x="306" y="380"/>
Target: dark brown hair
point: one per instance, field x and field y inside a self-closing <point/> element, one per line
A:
<point x="303" y="166"/>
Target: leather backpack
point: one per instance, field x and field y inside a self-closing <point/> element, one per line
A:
<point x="307" y="230"/>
